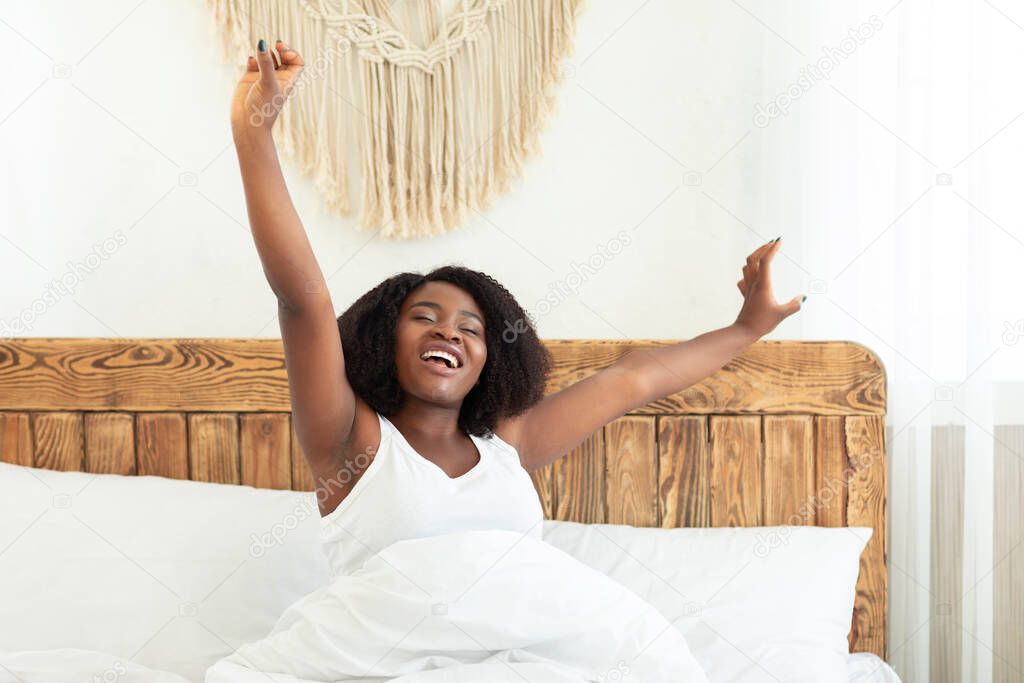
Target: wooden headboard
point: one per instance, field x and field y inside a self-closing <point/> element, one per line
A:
<point x="789" y="432"/>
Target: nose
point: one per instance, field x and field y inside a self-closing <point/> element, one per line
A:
<point x="446" y="331"/>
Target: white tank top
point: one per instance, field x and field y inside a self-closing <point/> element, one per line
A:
<point x="403" y="495"/>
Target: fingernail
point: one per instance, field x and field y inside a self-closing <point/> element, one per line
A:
<point x="262" y="46"/>
<point x="777" y="238"/>
<point x="804" y="299"/>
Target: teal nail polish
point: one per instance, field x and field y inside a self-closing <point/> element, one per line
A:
<point x="804" y="299"/>
<point x="262" y="46"/>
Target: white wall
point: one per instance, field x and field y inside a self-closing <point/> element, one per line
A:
<point x="111" y="102"/>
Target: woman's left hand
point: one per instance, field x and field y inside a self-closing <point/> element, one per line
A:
<point x="760" y="313"/>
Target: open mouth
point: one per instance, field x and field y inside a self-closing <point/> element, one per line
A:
<point x="440" y="359"/>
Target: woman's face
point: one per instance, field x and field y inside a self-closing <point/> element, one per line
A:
<point x="439" y="316"/>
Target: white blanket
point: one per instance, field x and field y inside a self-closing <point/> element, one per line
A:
<point x="467" y="606"/>
<point x="74" y="665"/>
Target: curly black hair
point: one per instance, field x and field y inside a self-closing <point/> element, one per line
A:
<point x="513" y="377"/>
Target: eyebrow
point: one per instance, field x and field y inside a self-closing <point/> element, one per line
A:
<point x="431" y="304"/>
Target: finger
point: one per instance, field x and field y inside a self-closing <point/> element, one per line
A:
<point x="754" y="260"/>
<point x="756" y="254"/>
<point x="764" y="270"/>
<point x="748" y="275"/>
<point x="743" y="290"/>
<point x="289" y="57"/>
<point x="266" y="64"/>
<point x="794" y="304"/>
<point x="251" y="65"/>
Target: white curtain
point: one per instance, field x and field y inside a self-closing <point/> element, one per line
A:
<point x="895" y="181"/>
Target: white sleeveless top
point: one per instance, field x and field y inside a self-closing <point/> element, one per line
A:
<point x="403" y="495"/>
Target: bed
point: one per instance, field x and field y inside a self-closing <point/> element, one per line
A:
<point x="777" y="428"/>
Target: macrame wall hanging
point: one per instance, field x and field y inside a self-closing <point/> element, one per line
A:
<point x="438" y="113"/>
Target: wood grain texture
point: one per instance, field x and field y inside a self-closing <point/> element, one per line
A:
<point x="110" y="443"/>
<point x="248" y="375"/>
<point x="736" y="471"/>
<point x="579" y="482"/>
<point x="1008" y="554"/>
<point x="831" y="470"/>
<point x="789" y="497"/>
<point x="684" y="471"/>
<point x="866" y="507"/>
<point x="782" y="421"/>
<point x="16" y="439"/>
<point x="135" y="375"/>
<point x="213" y="447"/>
<point x="265" y="449"/>
<point x="161" y="445"/>
<point x="302" y="476"/>
<point x="544" y="482"/>
<point x="769" y="377"/>
<point x="946" y="578"/>
<point x="58" y="441"/>
<point x="631" y="463"/>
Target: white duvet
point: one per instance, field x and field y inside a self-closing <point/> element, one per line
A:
<point x="467" y="606"/>
<point x="474" y="606"/>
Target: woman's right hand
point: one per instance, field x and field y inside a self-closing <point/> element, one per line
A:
<point x="262" y="90"/>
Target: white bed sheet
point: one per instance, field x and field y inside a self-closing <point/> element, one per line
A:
<point x="86" y="666"/>
<point x="73" y="665"/>
<point x="864" y="667"/>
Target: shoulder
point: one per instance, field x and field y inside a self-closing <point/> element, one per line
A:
<point x="509" y="430"/>
<point x="339" y="476"/>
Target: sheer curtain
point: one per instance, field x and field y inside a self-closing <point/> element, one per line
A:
<point x="895" y="181"/>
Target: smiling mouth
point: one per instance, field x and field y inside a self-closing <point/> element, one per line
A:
<point x="441" y="363"/>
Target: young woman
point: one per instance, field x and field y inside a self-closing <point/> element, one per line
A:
<point x="425" y="399"/>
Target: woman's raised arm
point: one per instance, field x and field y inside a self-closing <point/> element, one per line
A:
<point x="323" y="404"/>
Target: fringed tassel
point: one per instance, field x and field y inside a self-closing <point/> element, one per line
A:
<point x="437" y="133"/>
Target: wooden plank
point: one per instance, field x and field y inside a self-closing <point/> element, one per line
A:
<point x="945" y="635"/>
<point x="631" y="461"/>
<point x="110" y="443"/>
<point x="769" y="377"/>
<point x="16" y="439"/>
<point x="58" y="441"/>
<point x="789" y="497"/>
<point x="248" y="375"/>
<point x="265" y="450"/>
<point x="831" y="471"/>
<point x="684" y="471"/>
<point x="579" y="483"/>
<point x="736" y="471"/>
<point x="1008" y="554"/>
<point x="302" y="477"/>
<point x="144" y="375"/>
<point x="213" y="447"/>
<point x="543" y="482"/>
<point x="866" y="507"/>
<point x="161" y="445"/>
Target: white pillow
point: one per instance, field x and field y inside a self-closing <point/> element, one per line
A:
<point x="176" y="574"/>
<point x="755" y="603"/>
<point x="170" y="574"/>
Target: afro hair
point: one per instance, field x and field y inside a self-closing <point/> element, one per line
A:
<point x="513" y="377"/>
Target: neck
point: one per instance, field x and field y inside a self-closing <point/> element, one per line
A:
<point x="429" y="420"/>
